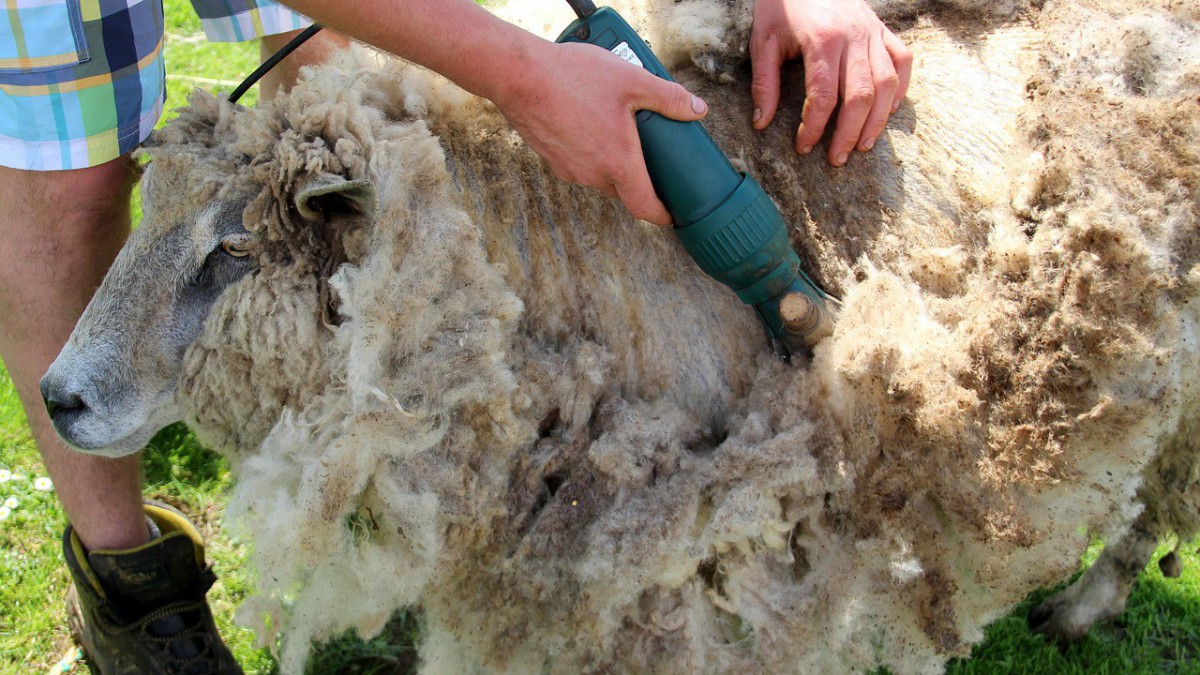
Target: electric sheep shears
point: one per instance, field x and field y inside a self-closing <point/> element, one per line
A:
<point x="723" y="218"/>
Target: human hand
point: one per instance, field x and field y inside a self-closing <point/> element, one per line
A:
<point x="575" y="108"/>
<point x="848" y="55"/>
<point x="573" y="103"/>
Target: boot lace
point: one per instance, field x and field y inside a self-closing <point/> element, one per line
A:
<point x="178" y="632"/>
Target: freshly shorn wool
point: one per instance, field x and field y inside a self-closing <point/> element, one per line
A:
<point x="500" y="399"/>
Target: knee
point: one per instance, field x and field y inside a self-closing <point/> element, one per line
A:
<point x="79" y="204"/>
<point x="64" y="224"/>
<point x="98" y="189"/>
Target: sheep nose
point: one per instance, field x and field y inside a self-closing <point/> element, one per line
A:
<point x="60" y="402"/>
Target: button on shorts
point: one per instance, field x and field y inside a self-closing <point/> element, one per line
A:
<point x="82" y="81"/>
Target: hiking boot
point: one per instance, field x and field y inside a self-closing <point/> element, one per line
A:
<point x="142" y="611"/>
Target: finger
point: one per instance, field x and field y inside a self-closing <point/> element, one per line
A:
<point x="766" y="59"/>
<point x="667" y="98"/>
<point x="884" y="77"/>
<point x="858" y="97"/>
<point x="902" y="61"/>
<point x="820" y="98"/>
<point x="637" y="194"/>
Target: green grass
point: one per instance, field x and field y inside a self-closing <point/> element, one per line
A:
<point x="1160" y="632"/>
<point x="31" y="578"/>
<point x="193" y="61"/>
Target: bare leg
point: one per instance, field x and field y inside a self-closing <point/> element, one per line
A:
<point x="1101" y="592"/>
<point x="316" y="50"/>
<point x="59" y="231"/>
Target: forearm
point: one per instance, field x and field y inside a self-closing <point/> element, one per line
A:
<point x="464" y="42"/>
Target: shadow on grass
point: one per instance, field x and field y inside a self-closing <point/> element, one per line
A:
<point x="175" y="456"/>
<point x="392" y="652"/>
<point x="1157" y="634"/>
<point x="1162" y="613"/>
<point x="1010" y="646"/>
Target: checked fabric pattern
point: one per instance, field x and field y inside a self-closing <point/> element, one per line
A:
<point x="82" y="81"/>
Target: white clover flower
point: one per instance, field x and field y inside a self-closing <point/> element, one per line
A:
<point x="12" y="503"/>
<point x="43" y="484"/>
<point x="5" y="475"/>
<point x="4" y="512"/>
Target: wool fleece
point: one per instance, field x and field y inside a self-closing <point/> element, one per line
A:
<point x="494" y="396"/>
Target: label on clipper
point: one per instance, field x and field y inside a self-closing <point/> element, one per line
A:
<point x="624" y="51"/>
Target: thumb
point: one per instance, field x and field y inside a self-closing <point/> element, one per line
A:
<point x="765" y="62"/>
<point x="670" y="99"/>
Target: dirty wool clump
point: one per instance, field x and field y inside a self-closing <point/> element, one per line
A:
<point x="486" y="393"/>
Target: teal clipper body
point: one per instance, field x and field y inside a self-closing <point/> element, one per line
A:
<point x="723" y="218"/>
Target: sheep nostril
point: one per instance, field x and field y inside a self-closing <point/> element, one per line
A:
<point x="60" y="403"/>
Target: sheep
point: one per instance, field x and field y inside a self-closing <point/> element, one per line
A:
<point x="444" y="379"/>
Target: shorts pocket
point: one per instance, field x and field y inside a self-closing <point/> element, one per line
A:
<point x="42" y="35"/>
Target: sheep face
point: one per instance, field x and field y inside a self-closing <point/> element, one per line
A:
<point x="113" y="385"/>
<point x="117" y="380"/>
<point x="213" y="220"/>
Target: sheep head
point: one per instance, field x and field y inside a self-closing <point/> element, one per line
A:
<point x="202" y="245"/>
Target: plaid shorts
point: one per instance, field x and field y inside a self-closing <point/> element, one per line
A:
<point x="82" y="81"/>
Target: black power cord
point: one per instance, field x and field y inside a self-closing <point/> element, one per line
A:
<point x="583" y="8"/>
<point x="273" y="61"/>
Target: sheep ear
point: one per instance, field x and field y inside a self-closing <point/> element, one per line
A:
<point x="327" y="195"/>
<point x="329" y="198"/>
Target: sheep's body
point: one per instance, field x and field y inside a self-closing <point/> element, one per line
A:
<point x="540" y="422"/>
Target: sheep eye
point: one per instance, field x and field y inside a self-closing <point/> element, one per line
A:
<point x="238" y="247"/>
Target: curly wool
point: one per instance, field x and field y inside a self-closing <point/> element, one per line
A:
<point x="537" y="421"/>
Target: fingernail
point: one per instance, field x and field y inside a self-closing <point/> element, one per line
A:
<point x="895" y="106"/>
<point x="841" y="159"/>
<point x="698" y="105"/>
<point x="806" y="149"/>
<point x="757" y="114"/>
<point x="869" y="143"/>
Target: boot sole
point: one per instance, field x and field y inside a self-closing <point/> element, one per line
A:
<point x="75" y="625"/>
